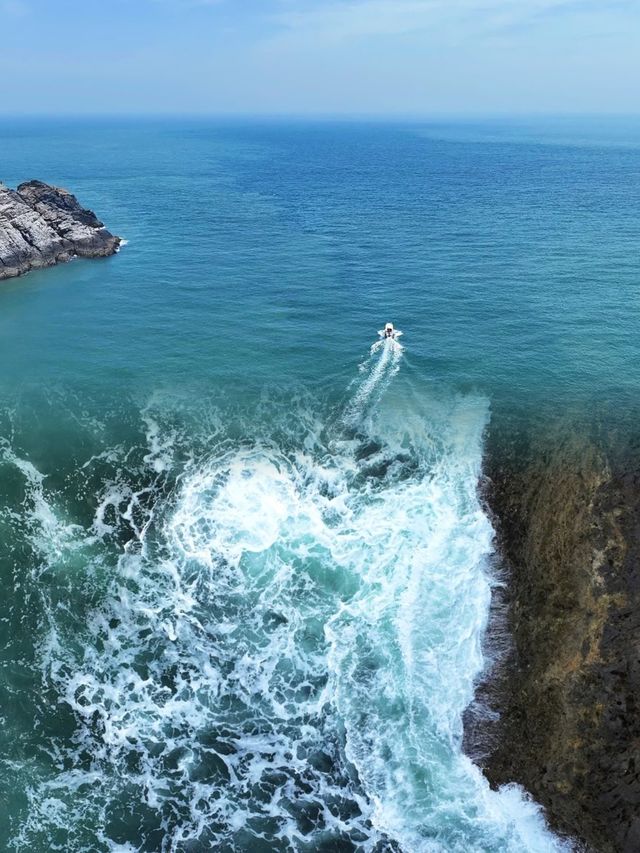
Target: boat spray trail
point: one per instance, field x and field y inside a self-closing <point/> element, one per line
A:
<point x="376" y="372"/>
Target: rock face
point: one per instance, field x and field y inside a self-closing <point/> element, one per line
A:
<point x="566" y="507"/>
<point x="41" y="225"/>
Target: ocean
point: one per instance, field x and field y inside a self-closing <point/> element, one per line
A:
<point x="247" y="569"/>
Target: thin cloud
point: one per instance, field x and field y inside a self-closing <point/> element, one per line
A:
<point x="347" y="19"/>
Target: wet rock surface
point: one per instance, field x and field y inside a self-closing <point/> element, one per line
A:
<point x="42" y="225"/>
<point x="565" y="502"/>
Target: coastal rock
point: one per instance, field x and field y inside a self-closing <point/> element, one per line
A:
<point x="566" y="506"/>
<point x="42" y="225"/>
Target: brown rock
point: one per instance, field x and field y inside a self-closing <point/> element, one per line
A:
<point x="566" y="506"/>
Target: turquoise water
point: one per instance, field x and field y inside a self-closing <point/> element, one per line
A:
<point x="248" y="572"/>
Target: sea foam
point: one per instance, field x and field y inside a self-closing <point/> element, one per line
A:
<point x="287" y="639"/>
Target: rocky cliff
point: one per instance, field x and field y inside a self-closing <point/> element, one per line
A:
<point x="41" y="225"/>
<point x="565" y="501"/>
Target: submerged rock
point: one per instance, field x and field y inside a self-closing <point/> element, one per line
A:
<point x="566" y="506"/>
<point x="42" y="225"/>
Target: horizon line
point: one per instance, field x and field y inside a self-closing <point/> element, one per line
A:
<point x="326" y="116"/>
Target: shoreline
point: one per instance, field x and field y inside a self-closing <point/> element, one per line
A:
<point x="555" y="712"/>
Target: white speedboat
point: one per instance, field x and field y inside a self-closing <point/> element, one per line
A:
<point x="389" y="332"/>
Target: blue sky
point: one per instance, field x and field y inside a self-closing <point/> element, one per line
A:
<point x="375" y="57"/>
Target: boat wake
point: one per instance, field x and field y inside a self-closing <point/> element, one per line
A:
<point x="376" y="373"/>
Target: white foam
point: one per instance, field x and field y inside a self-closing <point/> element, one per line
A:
<point x="378" y="370"/>
<point x="50" y="532"/>
<point x="407" y="648"/>
<point x="287" y="645"/>
<point x="161" y="444"/>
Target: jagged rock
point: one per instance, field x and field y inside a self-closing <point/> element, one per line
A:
<point x="42" y="225"/>
<point x="565" y="500"/>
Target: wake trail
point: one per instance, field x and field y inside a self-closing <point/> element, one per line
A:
<point x="377" y="371"/>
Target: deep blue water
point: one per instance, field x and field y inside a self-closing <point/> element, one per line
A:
<point x="247" y="570"/>
<point x="507" y="253"/>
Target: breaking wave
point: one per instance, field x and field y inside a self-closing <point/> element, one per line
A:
<point x="265" y="636"/>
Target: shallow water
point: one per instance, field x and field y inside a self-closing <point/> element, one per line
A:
<point x="248" y="572"/>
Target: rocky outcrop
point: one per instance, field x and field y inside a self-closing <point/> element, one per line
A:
<point x="42" y="225"/>
<point x="566" y="506"/>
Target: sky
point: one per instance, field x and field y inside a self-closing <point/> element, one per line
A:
<point x="320" y="57"/>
